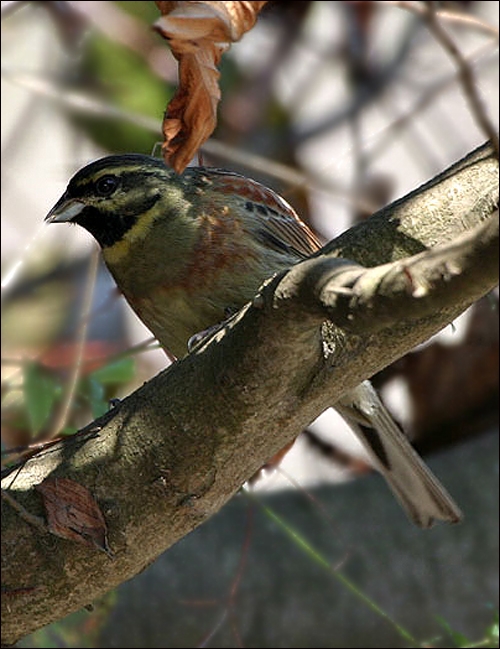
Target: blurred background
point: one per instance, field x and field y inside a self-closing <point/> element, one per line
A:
<point x="342" y="107"/>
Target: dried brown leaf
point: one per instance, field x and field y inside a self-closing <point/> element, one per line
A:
<point x="72" y="512"/>
<point x="198" y="33"/>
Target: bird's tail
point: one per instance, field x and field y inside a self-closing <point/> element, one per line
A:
<point x="418" y="490"/>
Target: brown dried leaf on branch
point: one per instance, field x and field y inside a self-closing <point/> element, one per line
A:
<point x="198" y="33"/>
<point x="72" y="513"/>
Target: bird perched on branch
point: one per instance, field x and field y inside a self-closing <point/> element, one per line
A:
<point x="187" y="249"/>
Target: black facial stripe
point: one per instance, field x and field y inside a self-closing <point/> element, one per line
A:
<point x="107" y="228"/>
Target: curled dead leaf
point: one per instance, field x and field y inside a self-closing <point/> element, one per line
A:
<point x="198" y="33"/>
<point x="72" y="513"/>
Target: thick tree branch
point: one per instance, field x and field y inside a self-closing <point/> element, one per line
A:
<point x="176" y="450"/>
<point x="364" y="301"/>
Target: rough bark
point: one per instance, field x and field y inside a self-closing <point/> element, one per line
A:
<point x="173" y="452"/>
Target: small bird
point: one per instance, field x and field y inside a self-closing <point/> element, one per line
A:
<point x="186" y="250"/>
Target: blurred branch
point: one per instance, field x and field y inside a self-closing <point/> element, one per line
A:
<point x="424" y="99"/>
<point x="15" y="268"/>
<point x="77" y="101"/>
<point x="81" y="337"/>
<point x="379" y="82"/>
<point x="452" y="17"/>
<point x="383" y="77"/>
<point x="466" y="73"/>
<point x="121" y="27"/>
<point x="11" y="6"/>
<point x="83" y="103"/>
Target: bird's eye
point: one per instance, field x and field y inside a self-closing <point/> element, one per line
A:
<point x="106" y="185"/>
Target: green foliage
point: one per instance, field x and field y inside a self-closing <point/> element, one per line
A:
<point x="31" y="409"/>
<point x="114" y="374"/>
<point x="460" y="640"/>
<point x="146" y="11"/>
<point x="41" y="391"/>
<point x="124" y="79"/>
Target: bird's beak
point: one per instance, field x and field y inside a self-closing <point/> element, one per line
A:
<point x="65" y="210"/>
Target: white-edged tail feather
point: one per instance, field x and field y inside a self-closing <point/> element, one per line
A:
<point x="418" y="490"/>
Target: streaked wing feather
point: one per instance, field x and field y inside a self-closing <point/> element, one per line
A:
<point x="278" y="222"/>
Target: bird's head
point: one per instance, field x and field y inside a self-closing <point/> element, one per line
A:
<point x="110" y="195"/>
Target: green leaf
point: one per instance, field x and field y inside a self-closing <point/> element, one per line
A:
<point x="123" y="79"/>
<point x="40" y="391"/>
<point x="69" y="430"/>
<point x="492" y="633"/>
<point x="120" y="371"/>
<point x="458" y="638"/>
<point x="98" y="403"/>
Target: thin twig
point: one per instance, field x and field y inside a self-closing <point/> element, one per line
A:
<point x="379" y="143"/>
<point x="230" y="601"/>
<point x="33" y="447"/>
<point x="456" y="17"/>
<point x="465" y="73"/>
<point x="380" y="81"/>
<point x="80" y="346"/>
<point x="31" y="519"/>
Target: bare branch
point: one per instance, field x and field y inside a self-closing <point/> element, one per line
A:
<point x="466" y="73"/>
<point x="364" y="301"/>
<point x="452" y="17"/>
